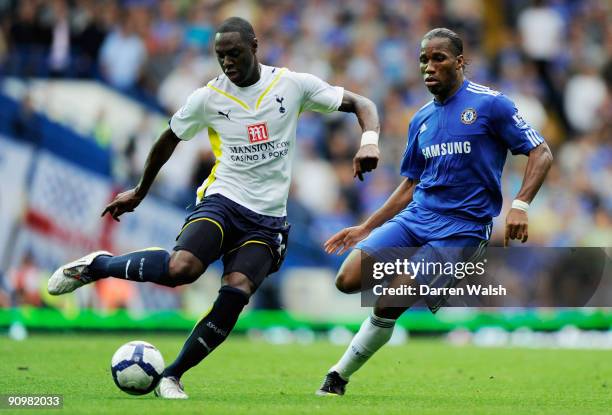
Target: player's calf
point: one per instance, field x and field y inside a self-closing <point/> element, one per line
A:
<point x="149" y="265"/>
<point x="245" y="269"/>
<point x="210" y="331"/>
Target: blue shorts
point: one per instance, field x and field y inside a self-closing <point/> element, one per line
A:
<point x="416" y="226"/>
<point x="438" y="238"/>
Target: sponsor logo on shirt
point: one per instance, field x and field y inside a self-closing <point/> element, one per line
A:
<point x="249" y="153"/>
<point x="445" y="149"/>
<point x="258" y="132"/>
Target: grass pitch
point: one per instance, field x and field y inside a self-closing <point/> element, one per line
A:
<point x="245" y="377"/>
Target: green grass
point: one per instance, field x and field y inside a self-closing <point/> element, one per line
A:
<point x="244" y="377"/>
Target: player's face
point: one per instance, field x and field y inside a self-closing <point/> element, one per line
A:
<point x="441" y="69"/>
<point x="237" y="58"/>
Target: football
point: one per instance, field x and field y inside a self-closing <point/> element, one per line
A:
<point x="137" y="367"/>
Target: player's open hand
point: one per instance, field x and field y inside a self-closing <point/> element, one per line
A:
<point x="365" y="160"/>
<point x="345" y="239"/>
<point x="123" y="202"/>
<point x="516" y="226"/>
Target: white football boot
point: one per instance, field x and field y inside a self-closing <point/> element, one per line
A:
<point x="71" y="276"/>
<point x="170" y="388"/>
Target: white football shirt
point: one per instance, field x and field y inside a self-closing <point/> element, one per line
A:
<point x="252" y="133"/>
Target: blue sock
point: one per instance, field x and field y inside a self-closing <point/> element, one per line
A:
<point x="148" y="265"/>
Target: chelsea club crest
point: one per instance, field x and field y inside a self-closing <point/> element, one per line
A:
<point x="468" y="116"/>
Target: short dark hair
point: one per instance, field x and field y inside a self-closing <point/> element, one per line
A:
<point x="455" y="40"/>
<point x="238" y="24"/>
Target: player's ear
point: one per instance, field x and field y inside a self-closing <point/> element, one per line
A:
<point x="460" y="62"/>
<point x="254" y="46"/>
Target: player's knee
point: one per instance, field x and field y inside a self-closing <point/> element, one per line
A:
<point x="239" y="281"/>
<point x="342" y="283"/>
<point x="348" y="279"/>
<point x="389" y="312"/>
<point x="348" y="282"/>
<point x="184" y="269"/>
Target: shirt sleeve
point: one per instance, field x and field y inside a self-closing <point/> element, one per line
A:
<point x="191" y="117"/>
<point x="318" y="95"/>
<point x="511" y="128"/>
<point x="413" y="162"/>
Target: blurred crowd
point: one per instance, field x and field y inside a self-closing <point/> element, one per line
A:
<point x="553" y="58"/>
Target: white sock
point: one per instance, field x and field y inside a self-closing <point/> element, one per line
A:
<point x="373" y="334"/>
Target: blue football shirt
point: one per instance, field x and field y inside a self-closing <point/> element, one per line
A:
<point x="457" y="149"/>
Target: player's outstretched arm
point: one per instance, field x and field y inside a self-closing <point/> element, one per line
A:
<point x="368" y="155"/>
<point x="540" y="160"/>
<point x="158" y="156"/>
<point x="348" y="237"/>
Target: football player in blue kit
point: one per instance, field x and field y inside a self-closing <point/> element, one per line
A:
<point x="451" y="188"/>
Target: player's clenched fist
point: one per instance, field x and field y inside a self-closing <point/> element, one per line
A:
<point x="516" y="226"/>
<point x="365" y="160"/>
<point x="123" y="202"/>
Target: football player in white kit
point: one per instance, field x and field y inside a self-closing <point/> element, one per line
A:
<point x="251" y="114"/>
